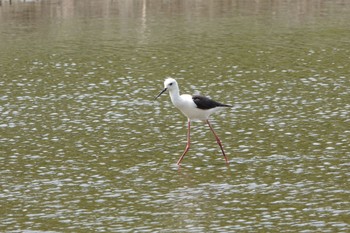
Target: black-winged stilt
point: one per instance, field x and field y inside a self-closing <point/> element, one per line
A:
<point x="194" y="107"/>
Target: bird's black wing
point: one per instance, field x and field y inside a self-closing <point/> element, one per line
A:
<point x="203" y="102"/>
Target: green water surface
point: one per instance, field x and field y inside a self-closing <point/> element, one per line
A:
<point x="85" y="148"/>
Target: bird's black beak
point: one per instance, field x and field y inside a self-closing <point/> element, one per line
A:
<point x="161" y="93"/>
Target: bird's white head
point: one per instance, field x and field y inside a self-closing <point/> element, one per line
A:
<point x="169" y="84"/>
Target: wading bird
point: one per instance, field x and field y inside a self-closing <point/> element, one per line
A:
<point x="194" y="107"/>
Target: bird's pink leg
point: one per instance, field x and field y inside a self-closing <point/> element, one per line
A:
<point x="218" y="141"/>
<point x="188" y="143"/>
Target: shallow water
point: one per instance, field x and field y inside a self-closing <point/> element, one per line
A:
<point x="84" y="146"/>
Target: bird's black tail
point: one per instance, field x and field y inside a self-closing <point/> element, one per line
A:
<point x="225" y="105"/>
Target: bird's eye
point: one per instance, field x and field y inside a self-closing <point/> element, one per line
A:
<point x="170" y="84"/>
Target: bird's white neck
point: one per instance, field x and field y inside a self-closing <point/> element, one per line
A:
<point x="175" y="96"/>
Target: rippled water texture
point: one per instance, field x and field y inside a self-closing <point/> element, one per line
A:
<point x="85" y="148"/>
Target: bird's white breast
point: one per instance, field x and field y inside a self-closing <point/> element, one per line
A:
<point x="186" y="105"/>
